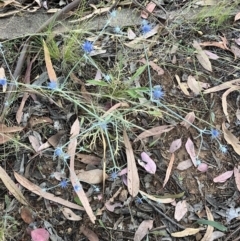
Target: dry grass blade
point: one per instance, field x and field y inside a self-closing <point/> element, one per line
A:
<point x="169" y="169"/>
<point x="12" y="187"/>
<point x="51" y="73"/>
<point x="224" y="100"/>
<point x="231" y="139"/>
<point x="132" y="176"/>
<point x="39" y="191"/>
<point x="208" y="234"/>
<point x="5" y="138"/>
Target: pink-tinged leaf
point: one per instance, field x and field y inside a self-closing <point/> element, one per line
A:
<point x="34" y="142"/>
<point x="237" y="177"/>
<point x="211" y="55"/>
<point x="184" y="165"/>
<point x="147" y="163"/>
<point x="189" y="119"/>
<point x="203" y="167"/>
<point x="91" y="236"/>
<point x="40" y="234"/>
<point x="150" y="7"/>
<point x="175" y="145"/>
<point x="191" y="151"/>
<point x="180" y="210"/>
<point x="98" y="75"/>
<point x="237" y="17"/>
<point x="124" y="179"/>
<point x="237" y="41"/>
<point x="154" y="131"/>
<point x="223" y="177"/>
<point x="131" y="34"/>
<point x="124" y="171"/>
<point x="169" y="169"/>
<point x="143" y="230"/>
<point x="110" y="207"/>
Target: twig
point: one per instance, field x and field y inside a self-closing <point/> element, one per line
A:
<point x="12" y="87"/>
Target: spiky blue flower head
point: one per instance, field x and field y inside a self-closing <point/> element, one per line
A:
<point x="146" y="28"/>
<point x="63" y="183"/>
<point x="157" y="92"/>
<point x="139" y="200"/>
<point x="53" y="85"/>
<point x="117" y="29"/>
<point x="107" y="78"/>
<point x="113" y="14"/>
<point x="87" y="47"/>
<point x="77" y="188"/>
<point x="215" y="133"/>
<point x="114" y="175"/>
<point x="223" y="148"/>
<point x="3" y="81"/>
<point x="58" y="151"/>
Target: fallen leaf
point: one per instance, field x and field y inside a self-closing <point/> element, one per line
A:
<point x="132" y="176"/>
<point x="184" y="165"/>
<point x="185" y="232"/>
<point x="89" y="233"/>
<point x="150" y="7"/>
<point x="207" y="3"/>
<point x="194" y="85"/>
<point x="70" y="215"/>
<point x="5" y="138"/>
<point x="211" y="55"/>
<point x="202" y="57"/>
<point x="26" y="215"/>
<point x="35" y="120"/>
<point x="147" y="163"/>
<point x="131" y="34"/>
<point x="191" y="151"/>
<point x="210" y="229"/>
<point x="231" y="139"/>
<point x="188" y="120"/>
<point x="94" y="176"/>
<point x="223" y="177"/>
<point x="42" y="193"/>
<point x="155" y="199"/>
<point x="238" y="114"/>
<point x="12" y="187"/>
<point x="20" y="109"/>
<point x="237" y="177"/>
<point x="154" y="131"/>
<point x="111" y="206"/>
<point x="182" y="86"/>
<point x="169" y="169"/>
<point x="89" y="159"/>
<point x="236" y="51"/>
<point x="202" y="167"/>
<point x="237" y="17"/>
<point x="217" y="235"/>
<point x="154" y="66"/>
<point x="180" y="210"/>
<point x="40" y="234"/>
<point x="34" y="142"/>
<point x="143" y="230"/>
<point x="224" y="100"/>
<point x="51" y="73"/>
<point x="6" y="129"/>
<point x="175" y="145"/>
<point x="116" y="106"/>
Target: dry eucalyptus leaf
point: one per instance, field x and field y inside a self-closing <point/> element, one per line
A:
<point x="188" y="120"/>
<point x="143" y="230"/>
<point x="186" y="232"/>
<point x="26" y="215"/>
<point x="169" y="169"/>
<point x="182" y="86"/>
<point x="70" y="215"/>
<point x="191" y="151"/>
<point x="180" y="210"/>
<point x="210" y="229"/>
<point x="194" y="85"/>
<point x="89" y="233"/>
<point x="92" y="177"/>
<point x="155" y="199"/>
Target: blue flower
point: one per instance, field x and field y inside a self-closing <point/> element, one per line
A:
<point x="215" y="133"/>
<point x="139" y="200"/>
<point x="52" y="85"/>
<point x="107" y="78"/>
<point x="63" y="183"/>
<point x="58" y="151"/>
<point x="223" y="148"/>
<point x="77" y="188"/>
<point x="87" y="47"/>
<point x="146" y="28"/>
<point x="3" y="81"/>
<point x="117" y="29"/>
<point x="157" y="92"/>
<point x="113" y="175"/>
<point x="144" y="22"/>
<point x="113" y="14"/>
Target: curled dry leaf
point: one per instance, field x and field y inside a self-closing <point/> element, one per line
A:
<point x="202" y="57"/>
<point x="40" y="234"/>
<point x="154" y="131"/>
<point x="237" y="177"/>
<point x="89" y="233"/>
<point x="175" y="145"/>
<point x="132" y="177"/>
<point x="185" y="232"/>
<point x="224" y="100"/>
<point x="210" y="229"/>
<point x="188" y="120"/>
<point x="191" y="151"/>
<point x="223" y="177"/>
<point x="70" y="215"/>
<point x="12" y="187"/>
<point x="169" y="169"/>
<point x="155" y="199"/>
<point x="180" y="210"/>
<point x="231" y="139"/>
<point x="147" y="163"/>
<point x="184" y="165"/>
<point x="143" y="230"/>
<point x="92" y="177"/>
<point x="182" y="86"/>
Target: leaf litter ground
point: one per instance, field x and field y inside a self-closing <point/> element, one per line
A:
<point x="141" y="131"/>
